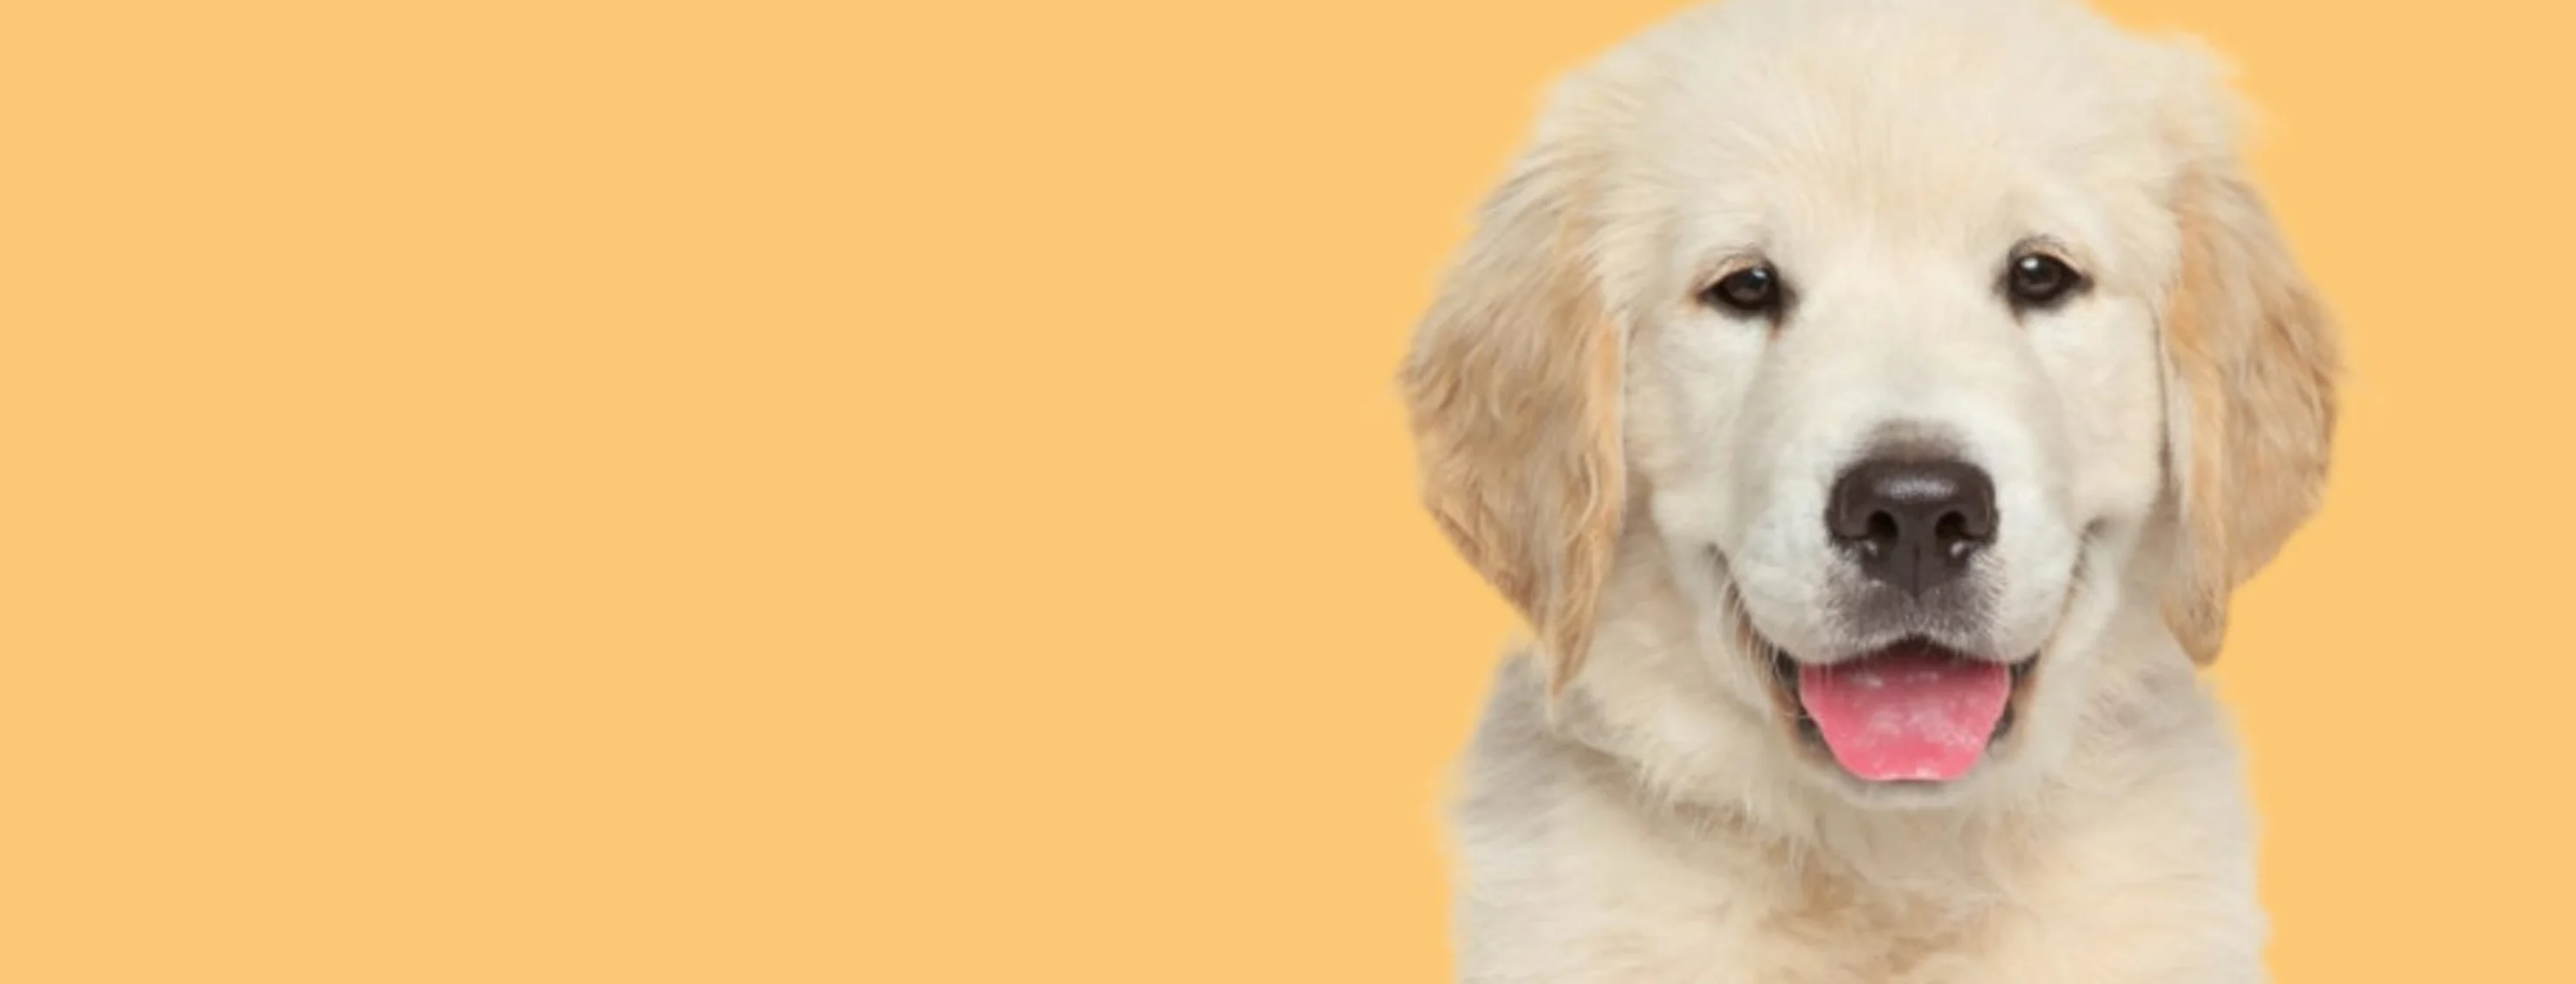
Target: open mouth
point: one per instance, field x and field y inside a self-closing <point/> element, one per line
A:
<point x="1912" y="711"/>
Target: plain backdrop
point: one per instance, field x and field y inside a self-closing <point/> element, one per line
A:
<point x="912" y="492"/>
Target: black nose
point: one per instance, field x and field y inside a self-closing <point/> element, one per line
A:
<point x="1913" y="524"/>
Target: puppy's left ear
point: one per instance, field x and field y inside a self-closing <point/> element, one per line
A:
<point x="2252" y="364"/>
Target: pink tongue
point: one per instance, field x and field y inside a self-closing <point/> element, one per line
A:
<point x="1910" y="714"/>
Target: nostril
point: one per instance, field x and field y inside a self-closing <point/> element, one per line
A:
<point x="1882" y="531"/>
<point x="1957" y="535"/>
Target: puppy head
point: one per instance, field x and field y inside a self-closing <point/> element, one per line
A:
<point x="1923" y="343"/>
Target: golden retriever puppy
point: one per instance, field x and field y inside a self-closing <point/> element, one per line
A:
<point x="1871" y="405"/>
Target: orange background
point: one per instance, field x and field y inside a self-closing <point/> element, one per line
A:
<point x="746" y="492"/>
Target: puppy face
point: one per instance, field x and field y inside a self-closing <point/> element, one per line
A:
<point x="1921" y="340"/>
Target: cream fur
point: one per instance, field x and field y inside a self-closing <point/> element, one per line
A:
<point x="1628" y="467"/>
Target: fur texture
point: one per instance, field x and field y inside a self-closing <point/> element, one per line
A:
<point x="1643" y="476"/>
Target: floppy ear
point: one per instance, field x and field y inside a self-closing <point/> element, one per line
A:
<point x="2252" y="361"/>
<point x="1513" y="386"/>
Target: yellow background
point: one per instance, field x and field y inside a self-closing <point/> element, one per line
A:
<point x="743" y="492"/>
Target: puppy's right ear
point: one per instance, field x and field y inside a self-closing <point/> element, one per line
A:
<point x="1513" y="386"/>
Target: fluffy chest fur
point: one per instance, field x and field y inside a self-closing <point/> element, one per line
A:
<point x="1580" y="867"/>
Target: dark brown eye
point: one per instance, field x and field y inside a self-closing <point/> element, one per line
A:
<point x="1752" y="290"/>
<point x="2038" y="280"/>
